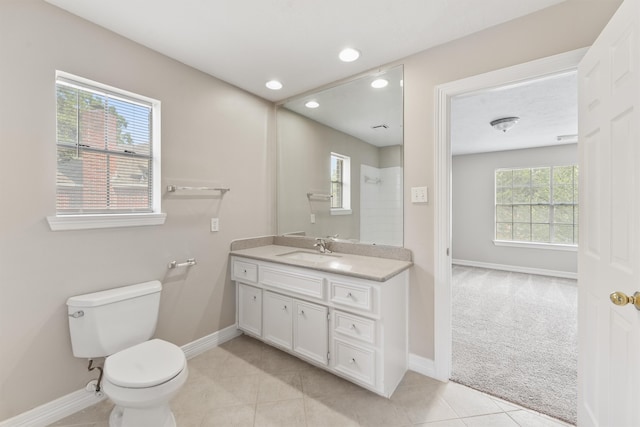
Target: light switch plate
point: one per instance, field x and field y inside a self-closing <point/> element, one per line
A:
<point x="419" y="195"/>
<point x="215" y="224"/>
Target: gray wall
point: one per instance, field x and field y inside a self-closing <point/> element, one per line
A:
<point x="211" y="132"/>
<point x="547" y="32"/>
<point x="473" y="208"/>
<point x="390" y="156"/>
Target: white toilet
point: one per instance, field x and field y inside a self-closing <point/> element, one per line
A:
<point x="140" y="376"/>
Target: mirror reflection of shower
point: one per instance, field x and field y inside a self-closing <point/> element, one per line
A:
<point x="361" y="126"/>
<point x="381" y="205"/>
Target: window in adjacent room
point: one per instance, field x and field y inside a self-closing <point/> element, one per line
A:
<point x="108" y="156"/>
<point x="340" y="184"/>
<point x="537" y="205"/>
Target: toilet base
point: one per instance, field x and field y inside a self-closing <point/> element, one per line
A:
<point x="158" y="416"/>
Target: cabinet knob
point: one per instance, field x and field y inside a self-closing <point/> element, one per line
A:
<point x="284" y="307"/>
<point x="245" y="271"/>
<point x="352" y="361"/>
<point x="349" y="295"/>
<point x="255" y="297"/>
<point x="302" y="312"/>
<point x="353" y="327"/>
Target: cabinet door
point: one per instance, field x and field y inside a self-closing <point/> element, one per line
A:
<point x="250" y="309"/>
<point x="311" y="331"/>
<point x="278" y="319"/>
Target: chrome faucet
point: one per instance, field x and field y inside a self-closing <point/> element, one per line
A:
<point x="321" y="244"/>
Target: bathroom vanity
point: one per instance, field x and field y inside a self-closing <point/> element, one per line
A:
<point x="345" y="313"/>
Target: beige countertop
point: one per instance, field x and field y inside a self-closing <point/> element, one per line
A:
<point x="364" y="267"/>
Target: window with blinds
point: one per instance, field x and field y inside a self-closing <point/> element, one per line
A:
<point x="340" y="184"/>
<point x="105" y="146"/>
<point x="337" y="168"/>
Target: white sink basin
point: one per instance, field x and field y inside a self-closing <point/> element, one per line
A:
<point x="310" y="256"/>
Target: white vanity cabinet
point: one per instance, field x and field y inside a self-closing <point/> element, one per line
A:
<point x="294" y="325"/>
<point x="310" y="331"/>
<point x="353" y="327"/>
<point x="278" y="319"/>
<point x="250" y="309"/>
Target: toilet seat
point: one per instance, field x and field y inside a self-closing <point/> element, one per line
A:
<point x="145" y="365"/>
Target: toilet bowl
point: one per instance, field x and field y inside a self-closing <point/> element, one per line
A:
<point x="140" y="375"/>
<point x="141" y="380"/>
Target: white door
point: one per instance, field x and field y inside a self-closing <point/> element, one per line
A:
<point x="609" y="254"/>
<point x="277" y="319"/>
<point x="311" y="331"/>
<point x="250" y="309"/>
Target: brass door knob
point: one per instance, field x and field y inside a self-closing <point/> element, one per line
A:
<point x="620" y="298"/>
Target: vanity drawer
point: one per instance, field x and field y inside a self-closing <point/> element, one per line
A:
<point x="245" y="271"/>
<point x="356" y="362"/>
<point x="352" y="295"/>
<point x="354" y="327"/>
<point x="304" y="284"/>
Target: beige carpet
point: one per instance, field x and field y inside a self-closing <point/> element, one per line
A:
<point x="515" y="337"/>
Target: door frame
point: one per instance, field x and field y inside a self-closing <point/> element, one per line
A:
<point x="556" y="64"/>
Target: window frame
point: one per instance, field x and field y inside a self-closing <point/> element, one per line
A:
<point x="79" y="221"/>
<point x="345" y="183"/>
<point x="532" y="244"/>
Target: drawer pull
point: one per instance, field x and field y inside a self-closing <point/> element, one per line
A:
<point x="255" y="297"/>
<point x="245" y="271"/>
<point x="349" y="295"/>
<point x="284" y="307"/>
<point x="352" y="361"/>
<point x="301" y="312"/>
<point x="353" y="326"/>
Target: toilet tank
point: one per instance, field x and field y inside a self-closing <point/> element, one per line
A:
<point x="103" y="323"/>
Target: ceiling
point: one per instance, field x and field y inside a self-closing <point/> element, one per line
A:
<point x="355" y="108"/>
<point x="547" y="108"/>
<point x="247" y="43"/>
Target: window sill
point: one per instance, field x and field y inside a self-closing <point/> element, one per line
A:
<point x="87" y="222"/>
<point x="532" y="245"/>
<point x="341" y="211"/>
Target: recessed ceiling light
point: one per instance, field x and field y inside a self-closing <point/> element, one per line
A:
<point x="312" y="104"/>
<point x="274" y="85"/>
<point x="349" y="54"/>
<point x="379" y="83"/>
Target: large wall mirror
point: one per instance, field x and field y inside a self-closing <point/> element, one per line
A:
<point x="340" y="161"/>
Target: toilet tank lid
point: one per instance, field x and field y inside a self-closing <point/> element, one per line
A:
<point x="112" y="295"/>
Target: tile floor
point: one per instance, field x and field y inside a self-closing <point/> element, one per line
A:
<point x="247" y="383"/>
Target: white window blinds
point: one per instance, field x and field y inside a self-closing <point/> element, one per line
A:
<point x="105" y="151"/>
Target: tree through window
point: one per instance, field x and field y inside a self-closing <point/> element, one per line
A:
<point x="105" y="147"/>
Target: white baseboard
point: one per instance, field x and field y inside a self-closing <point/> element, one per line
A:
<point x="71" y="403"/>
<point x="422" y="365"/>
<point x="203" y="344"/>
<point x="55" y="410"/>
<point x="517" y="269"/>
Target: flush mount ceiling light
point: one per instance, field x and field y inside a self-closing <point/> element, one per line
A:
<point x="349" y="54"/>
<point x="379" y="83"/>
<point x="273" y="85"/>
<point x="505" y="123"/>
<point x="312" y="104"/>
